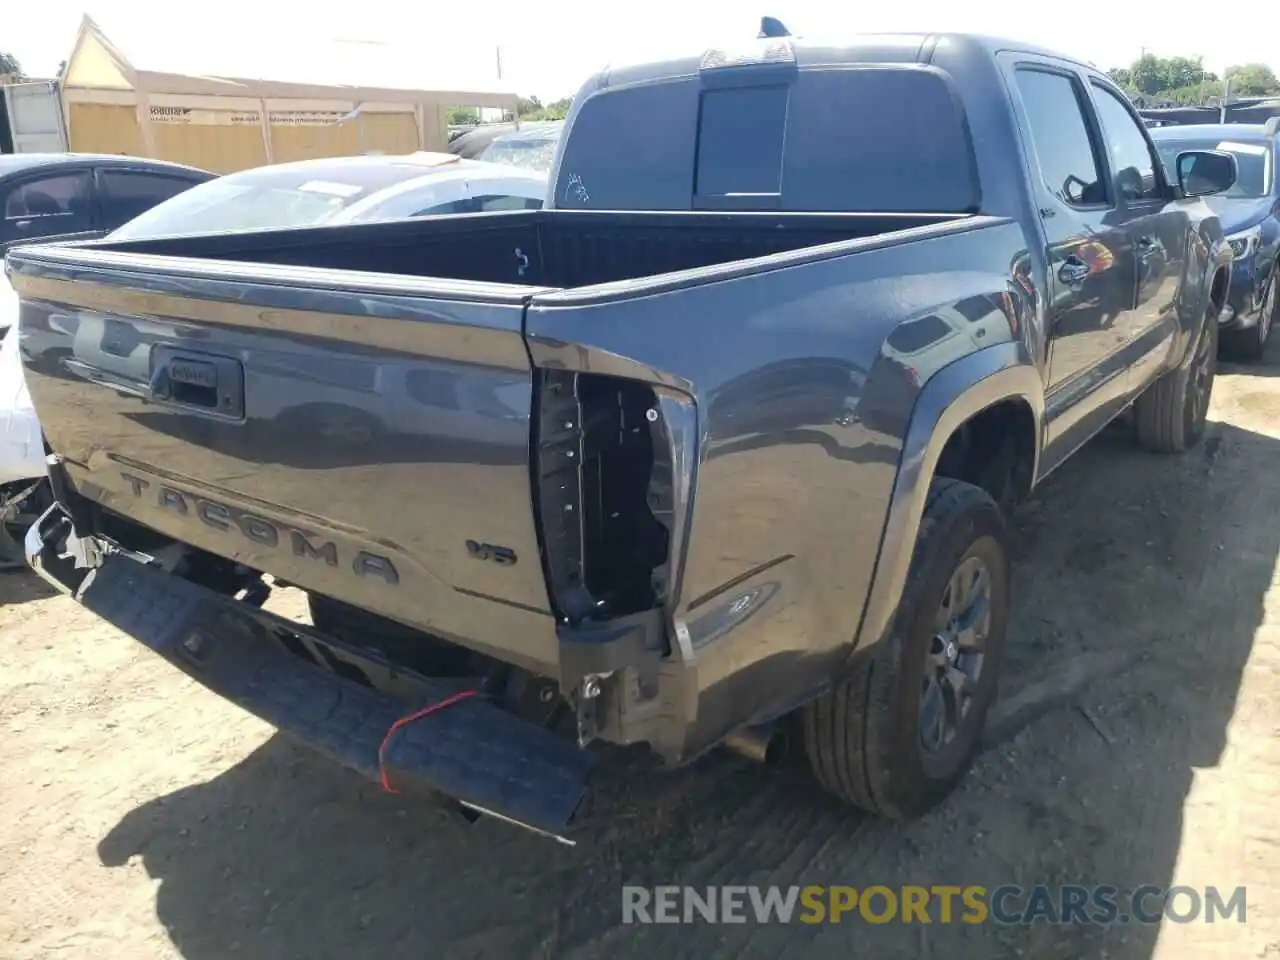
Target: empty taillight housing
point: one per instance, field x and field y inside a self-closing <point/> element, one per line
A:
<point x="609" y="493"/>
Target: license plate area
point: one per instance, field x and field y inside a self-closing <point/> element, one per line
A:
<point x="201" y="382"/>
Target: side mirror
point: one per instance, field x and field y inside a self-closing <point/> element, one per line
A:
<point x="1205" y="172"/>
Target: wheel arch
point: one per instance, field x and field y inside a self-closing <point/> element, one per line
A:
<point x="999" y="378"/>
<point x="1219" y="284"/>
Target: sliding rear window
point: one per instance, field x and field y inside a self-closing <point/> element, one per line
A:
<point x="864" y="139"/>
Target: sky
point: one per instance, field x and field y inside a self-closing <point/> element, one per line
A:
<point x="548" y="47"/>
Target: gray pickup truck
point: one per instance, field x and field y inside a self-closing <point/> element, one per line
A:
<point x="715" y="446"/>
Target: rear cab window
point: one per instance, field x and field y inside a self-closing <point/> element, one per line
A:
<point x="775" y="137"/>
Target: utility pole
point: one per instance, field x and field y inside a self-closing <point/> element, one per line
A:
<point x="499" y="50"/>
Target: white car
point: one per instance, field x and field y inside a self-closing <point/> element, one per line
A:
<point x="341" y="190"/>
<point x="306" y="193"/>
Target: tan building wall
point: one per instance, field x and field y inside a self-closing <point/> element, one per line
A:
<point x="137" y="104"/>
<point x="104" y="128"/>
<point x="228" y="134"/>
<point x="364" y="133"/>
<point x="221" y="149"/>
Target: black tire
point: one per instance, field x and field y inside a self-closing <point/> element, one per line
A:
<point x="864" y="737"/>
<point x="1170" y="414"/>
<point x="1250" y="344"/>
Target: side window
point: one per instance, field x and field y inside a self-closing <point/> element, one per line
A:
<point x="1132" y="165"/>
<point x="914" y="335"/>
<point x="465" y="205"/>
<point x="433" y="388"/>
<point x="128" y="193"/>
<point x="1060" y="136"/>
<point x="976" y="309"/>
<point x="48" y="206"/>
<point x="493" y="202"/>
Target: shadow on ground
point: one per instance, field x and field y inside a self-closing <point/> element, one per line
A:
<point x="1141" y="585"/>
<point x="20" y="585"/>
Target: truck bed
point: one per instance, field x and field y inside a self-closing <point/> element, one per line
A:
<point x="543" y="248"/>
<point x="387" y="415"/>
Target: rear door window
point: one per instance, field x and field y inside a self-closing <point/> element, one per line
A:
<point x="47" y="206"/>
<point x="1060" y="137"/>
<point x="128" y="193"/>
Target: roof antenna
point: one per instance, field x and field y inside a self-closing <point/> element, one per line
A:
<point x="772" y="27"/>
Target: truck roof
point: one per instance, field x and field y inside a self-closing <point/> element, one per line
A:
<point x="857" y="48"/>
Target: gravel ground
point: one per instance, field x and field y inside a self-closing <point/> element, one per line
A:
<point x="1137" y="742"/>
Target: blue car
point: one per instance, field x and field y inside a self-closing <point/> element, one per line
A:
<point x="1250" y="214"/>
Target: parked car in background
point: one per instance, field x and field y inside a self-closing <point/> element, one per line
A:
<point x="337" y="190"/>
<point x="470" y="143"/>
<point x="1250" y="215"/>
<point x="48" y="196"/>
<point x="305" y="193"/>
<point x="531" y="146"/>
<point x="56" y="196"/>
<point x="103" y="193"/>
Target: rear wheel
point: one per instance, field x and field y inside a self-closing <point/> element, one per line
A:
<point x="1171" y="413"/>
<point x="899" y="734"/>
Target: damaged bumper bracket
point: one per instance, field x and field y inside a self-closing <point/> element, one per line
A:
<point x="485" y="758"/>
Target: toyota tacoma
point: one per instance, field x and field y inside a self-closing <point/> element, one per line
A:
<point x="718" y="443"/>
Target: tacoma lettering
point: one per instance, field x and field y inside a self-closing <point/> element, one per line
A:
<point x="302" y="543"/>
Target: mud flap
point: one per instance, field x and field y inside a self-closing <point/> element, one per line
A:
<point x="487" y="759"/>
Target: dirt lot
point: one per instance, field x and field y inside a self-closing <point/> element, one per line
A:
<point x="1138" y="742"/>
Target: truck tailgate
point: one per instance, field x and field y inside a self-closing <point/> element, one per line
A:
<point x="360" y="435"/>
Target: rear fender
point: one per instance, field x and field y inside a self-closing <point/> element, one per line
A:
<point x="952" y="396"/>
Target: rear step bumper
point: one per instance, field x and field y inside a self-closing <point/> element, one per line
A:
<point x="486" y="758"/>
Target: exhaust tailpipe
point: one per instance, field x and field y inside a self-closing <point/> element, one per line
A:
<point x="763" y="744"/>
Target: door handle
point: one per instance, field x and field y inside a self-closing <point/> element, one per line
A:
<point x="197" y="381"/>
<point x="1073" y="271"/>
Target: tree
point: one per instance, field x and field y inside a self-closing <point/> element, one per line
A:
<point x="463" y="116"/>
<point x="1186" y="72"/>
<point x="1252" y="80"/>
<point x="1196" y="93"/>
<point x="1153" y="75"/>
<point x="9" y="64"/>
<point x="531" y="108"/>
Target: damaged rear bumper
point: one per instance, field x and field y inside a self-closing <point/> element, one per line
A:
<point x="484" y="757"/>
